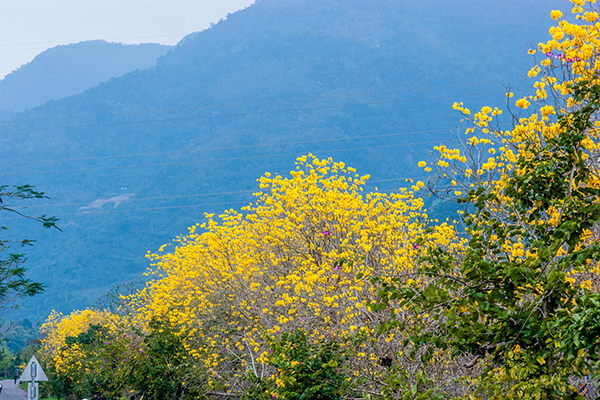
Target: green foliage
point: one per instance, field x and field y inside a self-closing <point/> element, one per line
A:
<point x="401" y="385"/>
<point x="77" y="384"/>
<point x="20" y="333"/>
<point x="13" y="283"/>
<point x="152" y="364"/>
<point x="529" y="327"/>
<point x="164" y="372"/>
<point x="301" y="370"/>
<point x="6" y="359"/>
<point x="24" y="192"/>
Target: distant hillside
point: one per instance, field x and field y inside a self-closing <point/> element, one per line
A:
<point x="131" y="163"/>
<point x="63" y="71"/>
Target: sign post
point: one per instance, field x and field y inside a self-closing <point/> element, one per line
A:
<point x="34" y="374"/>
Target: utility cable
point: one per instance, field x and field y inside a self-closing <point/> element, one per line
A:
<point x="80" y="203"/>
<point x="250" y="113"/>
<point x="161" y="153"/>
<point x="182" y="35"/>
<point x="225" y="105"/>
<point x="218" y="159"/>
<point x="189" y="205"/>
<point x="68" y="42"/>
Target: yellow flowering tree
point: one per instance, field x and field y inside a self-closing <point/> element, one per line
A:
<point x="293" y="260"/>
<point x="98" y="352"/>
<point x="67" y="363"/>
<point x="520" y="303"/>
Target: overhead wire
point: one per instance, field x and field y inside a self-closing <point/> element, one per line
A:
<point x="225" y="105"/>
<point x="154" y="208"/>
<point x="215" y="159"/>
<point x="249" y="113"/>
<point x="134" y="199"/>
<point x="79" y="203"/>
<point x="59" y="43"/>
<point x="47" y="48"/>
<point x="228" y="147"/>
<point x="182" y="35"/>
<point x="249" y="146"/>
<point x="181" y="196"/>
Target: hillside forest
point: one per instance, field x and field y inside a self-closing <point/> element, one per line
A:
<point x="135" y="160"/>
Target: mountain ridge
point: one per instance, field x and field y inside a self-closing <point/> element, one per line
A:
<point x="67" y="70"/>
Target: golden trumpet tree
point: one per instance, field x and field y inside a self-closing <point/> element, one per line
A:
<point x="294" y="259"/>
<point x="521" y="301"/>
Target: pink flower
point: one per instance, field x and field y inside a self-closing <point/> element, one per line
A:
<point x="326" y="233"/>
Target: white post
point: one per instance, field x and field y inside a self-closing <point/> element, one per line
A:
<point x="33" y="391"/>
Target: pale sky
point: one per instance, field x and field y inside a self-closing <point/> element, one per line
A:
<point x="28" y="27"/>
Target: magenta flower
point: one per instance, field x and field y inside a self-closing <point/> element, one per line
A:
<point x="416" y="246"/>
<point x="549" y="54"/>
<point x="326" y="233"/>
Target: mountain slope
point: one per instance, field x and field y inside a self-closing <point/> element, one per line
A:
<point x="367" y="82"/>
<point x="67" y="70"/>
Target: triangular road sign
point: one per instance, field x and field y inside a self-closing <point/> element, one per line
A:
<point x="33" y="370"/>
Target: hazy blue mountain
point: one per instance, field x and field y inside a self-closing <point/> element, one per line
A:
<point x="131" y="163"/>
<point x="63" y="71"/>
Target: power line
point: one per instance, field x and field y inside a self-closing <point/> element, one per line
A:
<point x="48" y="48"/>
<point x="256" y="102"/>
<point x="228" y="148"/>
<point x="79" y="203"/>
<point x="217" y="159"/>
<point x="251" y="113"/>
<point x="188" y="205"/>
<point x="145" y="209"/>
<point x="91" y="40"/>
<point x="182" y="35"/>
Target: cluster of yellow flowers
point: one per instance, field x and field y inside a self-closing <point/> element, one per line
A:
<point x="301" y="255"/>
<point x="490" y="154"/>
<point x="291" y="260"/>
<point x="70" y="360"/>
